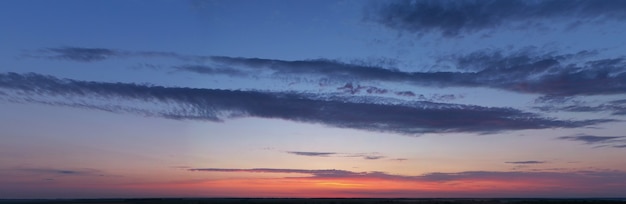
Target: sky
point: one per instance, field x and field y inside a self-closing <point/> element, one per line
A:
<point x="312" y="98"/>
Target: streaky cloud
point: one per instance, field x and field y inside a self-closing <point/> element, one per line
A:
<point x="324" y="67"/>
<point x="366" y="156"/>
<point x="218" y="105"/>
<point x="603" y="141"/>
<point x="617" y="109"/>
<point x="312" y="154"/>
<point x="332" y="173"/>
<point x="373" y="157"/>
<point x="591" y="139"/>
<point x="203" y="69"/>
<point x="456" y="18"/>
<point x="525" y="162"/>
<point x="84" y="54"/>
<point x="58" y="172"/>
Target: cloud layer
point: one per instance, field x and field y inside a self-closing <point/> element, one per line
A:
<point x="455" y="18"/>
<point x="525" y="70"/>
<point x="217" y="105"/>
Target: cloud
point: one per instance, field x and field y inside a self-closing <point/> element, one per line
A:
<point x="58" y="172"/>
<point x="529" y="71"/>
<point x="455" y="18"/>
<point x="525" y="162"/>
<point x="603" y="141"/>
<point x="436" y="184"/>
<point x="82" y="54"/>
<point x="373" y="157"/>
<point x="313" y="154"/>
<point x="370" y="114"/>
<point x="349" y="88"/>
<point x="325" y="173"/>
<point x="367" y="156"/>
<point x="591" y="139"/>
<point x="203" y="69"/>
<point x="616" y="107"/>
<point x="607" y="176"/>
<point x="526" y="71"/>
<point x="322" y="67"/>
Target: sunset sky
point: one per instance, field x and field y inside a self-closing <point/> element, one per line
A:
<point x="312" y="98"/>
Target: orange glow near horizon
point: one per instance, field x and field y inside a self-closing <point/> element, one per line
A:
<point x="309" y="187"/>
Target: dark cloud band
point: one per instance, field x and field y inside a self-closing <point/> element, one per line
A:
<point x="217" y="105"/>
<point x="455" y="18"/>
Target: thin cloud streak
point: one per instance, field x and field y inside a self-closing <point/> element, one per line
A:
<point x="58" y="172"/>
<point x="312" y="154"/>
<point x="456" y="18"/>
<point x="366" y="156"/>
<point x="616" y="107"/>
<point x="526" y="162"/>
<point x="202" y="69"/>
<point x="83" y="54"/>
<point x="603" y="141"/>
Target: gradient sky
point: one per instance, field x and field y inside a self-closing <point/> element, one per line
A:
<point x="311" y="98"/>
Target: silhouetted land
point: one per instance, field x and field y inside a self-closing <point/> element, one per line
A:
<point x="317" y="201"/>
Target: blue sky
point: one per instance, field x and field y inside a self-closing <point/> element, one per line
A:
<point x="312" y="98"/>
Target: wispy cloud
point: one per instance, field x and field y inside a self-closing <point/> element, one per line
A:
<point x="58" y="172"/>
<point x="367" y="156"/>
<point x="525" y="162"/>
<point x="312" y="154"/>
<point x="603" y="141"/>
<point x="591" y="139"/>
<point x="217" y="105"/>
<point x="84" y="54"/>
<point x="326" y="173"/>
<point x="455" y="18"/>
<point x="615" y="107"/>
<point x="203" y="69"/>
